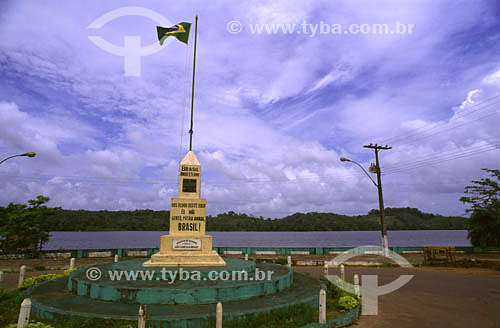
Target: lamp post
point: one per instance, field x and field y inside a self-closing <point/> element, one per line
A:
<point x="383" y="226"/>
<point x="30" y="154"/>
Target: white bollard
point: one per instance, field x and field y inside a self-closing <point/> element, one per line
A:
<point x="218" y="316"/>
<point x="342" y="272"/>
<point x="289" y="261"/>
<point x="116" y="258"/>
<point x="24" y="314"/>
<point x="325" y="268"/>
<point x="322" y="306"/>
<point x="246" y="257"/>
<point x="141" y="318"/>
<point x="72" y="263"/>
<point x="1" y="277"/>
<point x="356" y="285"/>
<point x="21" y="275"/>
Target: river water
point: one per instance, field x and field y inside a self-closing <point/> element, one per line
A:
<point x="150" y="239"/>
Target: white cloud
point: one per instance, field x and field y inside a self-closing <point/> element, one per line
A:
<point x="272" y="112"/>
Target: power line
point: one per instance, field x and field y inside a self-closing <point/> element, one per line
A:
<point x="433" y="155"/>
<point x="404" y="136"/>
<point x="445" y="159"/>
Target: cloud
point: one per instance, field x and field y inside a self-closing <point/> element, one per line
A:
<point x="272" y="113"/>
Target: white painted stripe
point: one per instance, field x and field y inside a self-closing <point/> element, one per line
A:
<point x="265" y="252"/>
<point x="374" y="252"/>
<point x="137" y="253"/>
<point x="56" y="255"/>
<point x="100" y="254"/>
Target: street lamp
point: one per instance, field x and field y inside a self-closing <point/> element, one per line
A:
<point x="383" y="226"/>
<point x="30" y="154"/>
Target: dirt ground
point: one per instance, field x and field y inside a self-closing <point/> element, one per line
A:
<point x="434" y="297"/>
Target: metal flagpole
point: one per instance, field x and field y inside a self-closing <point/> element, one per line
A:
<point x="192" y="89"/>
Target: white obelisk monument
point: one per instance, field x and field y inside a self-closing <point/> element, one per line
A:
<point x="186" y="244"/>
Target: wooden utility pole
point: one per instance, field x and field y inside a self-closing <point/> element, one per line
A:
<point x="383" y="224"/>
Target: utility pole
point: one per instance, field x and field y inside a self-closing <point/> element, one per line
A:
<point x="383" y="224"/>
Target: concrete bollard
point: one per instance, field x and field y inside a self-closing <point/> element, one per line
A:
<point x="72" y="263"/>
<point x="322" y="306"/>
<point x="141" y="318"/>
<point x="1" y="277"/>
<point x="24" y="314"/>
<point x="246" y="257"/>
<point x="325" y="268"/>
<point x="289" y="261"/>
<point x="116" y="258"/>
<point x="356" y="285"/>
<point x="342" y="272"/>
<point x="218" y="316"/>
<point x="21" y="275"/>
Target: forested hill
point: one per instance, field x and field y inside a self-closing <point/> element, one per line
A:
<point x="397" y="219"/>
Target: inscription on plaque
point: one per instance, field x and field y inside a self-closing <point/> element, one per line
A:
<point x="187" y="216"/>
<point x="187" y="244"/>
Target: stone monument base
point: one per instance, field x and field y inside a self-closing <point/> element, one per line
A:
<point x="185" y="251"/>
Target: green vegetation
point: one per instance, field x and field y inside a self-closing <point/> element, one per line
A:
<point x="484" y="223"/>
<point x="25" y="228"/>
<point x="297" y="315"/>
<point x="281" y="260"/>
<point x="347" y="303"/>
<point x="398" y="219"/>
<point x="43" y="277"/>
<point x="10" y="303"/>
<point x="32" y="325"/>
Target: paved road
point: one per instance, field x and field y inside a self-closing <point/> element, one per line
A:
<point x="433" y="298"/>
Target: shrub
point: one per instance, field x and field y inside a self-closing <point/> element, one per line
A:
<point x="43" y="277"/>
<point x="38" y="279"/>
<point x="68" y="271"/>
<point x="281" y="260"/>
<point x="347" y="303"/>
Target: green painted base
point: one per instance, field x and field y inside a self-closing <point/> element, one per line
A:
<point x="239" y="280"/>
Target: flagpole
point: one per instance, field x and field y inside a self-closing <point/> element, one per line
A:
<point x="192" y="88"/>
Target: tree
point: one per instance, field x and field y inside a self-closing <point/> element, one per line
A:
<point x="484" y="222"/>
<point x="25" y="228"/>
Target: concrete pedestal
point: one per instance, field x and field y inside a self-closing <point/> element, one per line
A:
<point x="185" y="251"/>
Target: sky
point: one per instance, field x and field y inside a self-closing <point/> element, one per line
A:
<point x="273" y="111"/>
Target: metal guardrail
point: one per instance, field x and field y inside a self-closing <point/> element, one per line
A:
<point x="147" y="252"/>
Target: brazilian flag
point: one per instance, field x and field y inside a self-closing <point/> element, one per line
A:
<point x="180" y="31"/>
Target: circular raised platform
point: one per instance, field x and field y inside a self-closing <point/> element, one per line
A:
<point x="179" y="304"/>
<point x="51" y="300"/>
<point x="129" y="282"/>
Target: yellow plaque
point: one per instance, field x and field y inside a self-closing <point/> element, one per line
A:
<point x="188" y="216"/>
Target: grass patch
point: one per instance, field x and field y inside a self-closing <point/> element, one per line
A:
<point x="281" y="260"/>
<point x="297" y="315"/>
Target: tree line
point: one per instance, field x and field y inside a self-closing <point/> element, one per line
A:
<point x="142" y="220"/>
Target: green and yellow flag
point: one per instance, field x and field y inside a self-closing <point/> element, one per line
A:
<point x="180" y="31"/>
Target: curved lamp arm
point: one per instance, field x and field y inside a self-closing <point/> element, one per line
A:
<point x="343" y="159"/>
<point x="30" y="154"/>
